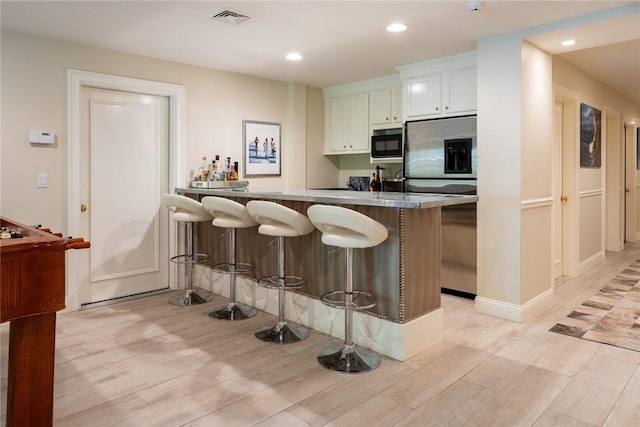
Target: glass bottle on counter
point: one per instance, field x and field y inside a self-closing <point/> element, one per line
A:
<point x="220" y="173"/>
<point x="232" y="175"/>
<point x="204" y="173"/>
<point x="213" y="174"/>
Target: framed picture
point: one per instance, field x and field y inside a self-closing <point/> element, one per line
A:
<point x="262" y="148"/>
<point x="590" y="137"/>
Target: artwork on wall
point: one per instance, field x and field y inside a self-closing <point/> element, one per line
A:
<point x="262" y="148"/>
<point x="590" y="136"/>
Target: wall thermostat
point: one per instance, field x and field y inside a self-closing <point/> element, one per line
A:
<point x="41" y="137"/>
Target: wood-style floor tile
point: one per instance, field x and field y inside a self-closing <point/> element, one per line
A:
<point x="147" y="363"/>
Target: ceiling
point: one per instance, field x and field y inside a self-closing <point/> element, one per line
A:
<point x="340" y="41"/>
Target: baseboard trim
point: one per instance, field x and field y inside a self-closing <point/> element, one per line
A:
<point x="514" y="312"/>
<point x="590" y="262"/>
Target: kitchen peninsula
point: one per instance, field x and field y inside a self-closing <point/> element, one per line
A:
<point x="403" y="272"/>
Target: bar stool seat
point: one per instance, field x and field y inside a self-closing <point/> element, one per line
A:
<point x="280" y="221"/>
<point x="188" y="211"/>
<point x="231" y="215"/>
<point x="346" y="228"/>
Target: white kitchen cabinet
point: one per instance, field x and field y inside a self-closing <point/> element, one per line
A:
<point x="440" y="87"/>
<point x="347" y="127"/>
<point x="385" y="108"/>
<point x="423" y="96"/>
<point x="449" y="93"/>
<point x="459" y="91"/>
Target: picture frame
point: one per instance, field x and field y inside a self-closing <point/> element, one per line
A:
<point x="261" y="148"/>
<point x="590" y="136"/>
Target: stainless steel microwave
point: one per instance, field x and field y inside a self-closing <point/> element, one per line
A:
<point x="385" y="146"/>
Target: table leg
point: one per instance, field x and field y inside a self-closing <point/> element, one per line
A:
<point x="31" y="367"/>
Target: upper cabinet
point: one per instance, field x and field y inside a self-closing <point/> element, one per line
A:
<point x="440" y="87"/>
<point x="353" y="110"/>
<point x="347" y="125"/>
<point x="385" y="108"/>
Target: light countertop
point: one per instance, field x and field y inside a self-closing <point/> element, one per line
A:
<point x="363" y="198"/>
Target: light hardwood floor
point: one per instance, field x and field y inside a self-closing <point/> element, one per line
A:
<point x="147" y="363"/>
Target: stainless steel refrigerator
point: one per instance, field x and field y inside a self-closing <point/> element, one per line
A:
<point x="440" y="156"/>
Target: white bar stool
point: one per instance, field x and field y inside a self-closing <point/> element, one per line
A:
<point x="346" y="228"/>
<point x="186" y="210"/>
<point x="280" y="221"/>
<point x="231" y="215"/>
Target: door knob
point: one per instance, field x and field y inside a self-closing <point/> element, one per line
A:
<point x="564" y="199"/>
<point x="83" y="207"/>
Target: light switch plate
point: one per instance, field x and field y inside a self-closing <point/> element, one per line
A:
<point x="43" y="180"/>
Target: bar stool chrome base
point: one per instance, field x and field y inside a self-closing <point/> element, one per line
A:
<point x="282" y="333"/>
<point x="348" y="358"/>
<point x="192" y="297"/>
<point x="233" y="311"/>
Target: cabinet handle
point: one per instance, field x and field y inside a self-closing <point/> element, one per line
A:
<point x="437" y="108"/>
<point x="446" y="107"/>
<point x="395" y="118"/>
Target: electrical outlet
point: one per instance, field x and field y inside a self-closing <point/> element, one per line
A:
<point x="43" y="180"/>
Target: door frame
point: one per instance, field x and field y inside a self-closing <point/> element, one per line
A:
<point x="76" y="79"/>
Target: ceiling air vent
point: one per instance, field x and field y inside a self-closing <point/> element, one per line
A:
<point x="230" y="17"/>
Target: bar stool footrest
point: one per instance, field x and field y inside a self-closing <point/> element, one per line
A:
<point x="290" y="282"/>
<point x="348" y="358"/>
<point x="225" y="268"/>
<point x="337" y="299"/>
<point x="186" y="259"/>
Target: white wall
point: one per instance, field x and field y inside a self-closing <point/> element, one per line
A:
<point x="537" y="150"/>
<point x="34" y="97"/>
<point x="598" y="208"/>
<point x="499" y="169"/>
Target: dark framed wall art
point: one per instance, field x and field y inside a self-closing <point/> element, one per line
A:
<point x="590" y="136"/>
<point x="262" y="148"/>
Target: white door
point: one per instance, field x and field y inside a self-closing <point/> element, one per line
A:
<point x="557" y="188"/>
<point x="124" y="158"/>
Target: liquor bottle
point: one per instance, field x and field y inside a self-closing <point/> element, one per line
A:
<point x="219" y="172"/>
<point x="204" y="174"/>
<point x="213" y="173"/>
<point x="232" y="175"/>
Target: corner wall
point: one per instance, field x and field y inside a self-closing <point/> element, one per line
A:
<point x="515" y="134"/>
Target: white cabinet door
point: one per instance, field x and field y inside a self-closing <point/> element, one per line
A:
<point x="347" y="128"/>
<point x="423" y="96"/>
<point x="385" y="108"/>
<point x="396" y="106"/>
<point x="380" y="107"/>
<point x="338" y="125"/>
<point x="459" y="91"/>
<point x="359" y="122"/>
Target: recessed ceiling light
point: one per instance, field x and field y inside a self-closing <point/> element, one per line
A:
<point x="396" y="28"/>
<point x="568" y="43"/>
<point x="294" y="56"/>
